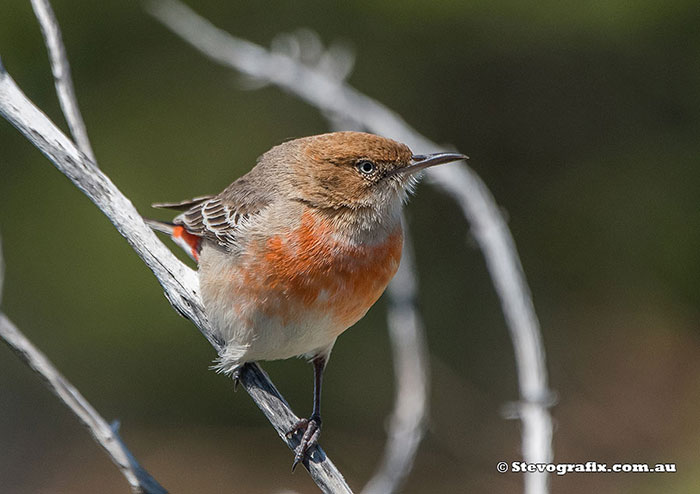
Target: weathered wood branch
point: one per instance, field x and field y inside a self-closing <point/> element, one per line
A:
<point x="180" y="283"/>
<point x="106" y="436"/>
<point x="409" y="416"/>
<point x="61" y="74"/>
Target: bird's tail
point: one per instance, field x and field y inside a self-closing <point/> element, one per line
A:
<point x="186" y="241"/>
<point x="160" y="226"/>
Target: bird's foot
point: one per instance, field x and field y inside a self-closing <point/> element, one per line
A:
<point x="311" y="428"/>
<point x="236" y="375"/>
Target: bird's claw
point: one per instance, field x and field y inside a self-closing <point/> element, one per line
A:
<point x="311" y="428"/>
<point x="236" y="375"/>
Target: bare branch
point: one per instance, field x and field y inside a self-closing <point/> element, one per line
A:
<point x="180" y="283"/>
<point x="277" y="411"/>
<point x="407" y="424"/>
<point x="61" y="74"/>
<point x="107" y="437"/>
<point x="460" y="182"/>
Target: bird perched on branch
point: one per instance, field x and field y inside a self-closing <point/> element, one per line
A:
<point x="297" y="250"/>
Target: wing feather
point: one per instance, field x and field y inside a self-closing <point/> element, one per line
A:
<point x="182" y="205"/>
<point x="219" y="218"/>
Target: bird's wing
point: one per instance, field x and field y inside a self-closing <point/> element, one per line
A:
<point x="219" y="218"/>
<point x="182" y="205"/>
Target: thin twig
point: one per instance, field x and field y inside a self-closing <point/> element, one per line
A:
<point x="61" y="74"/>
<point x="180" y="283"/>
<point x="461" y="182"/>
<point x="106" y="436"/>
<point x="408" y="419"/>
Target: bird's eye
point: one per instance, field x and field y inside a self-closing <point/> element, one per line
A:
<point x="366" y="167"/>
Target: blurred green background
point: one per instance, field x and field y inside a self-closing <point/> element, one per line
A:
<point x="582" y="117"/>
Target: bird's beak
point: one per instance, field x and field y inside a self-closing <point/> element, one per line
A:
<point x="422" y="161"/>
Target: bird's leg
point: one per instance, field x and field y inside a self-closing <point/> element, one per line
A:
<point x="311" y="427"/>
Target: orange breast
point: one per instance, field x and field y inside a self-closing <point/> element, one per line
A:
<point x="309" y="271"/>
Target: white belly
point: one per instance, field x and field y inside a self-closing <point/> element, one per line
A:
<point x="283" y="298"/>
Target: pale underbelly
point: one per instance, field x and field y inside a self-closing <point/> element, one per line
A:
<point x="279" y="324"/>
<point x="284" y="298"/>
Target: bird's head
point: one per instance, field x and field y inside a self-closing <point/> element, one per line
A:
<point x="350" y="170"/>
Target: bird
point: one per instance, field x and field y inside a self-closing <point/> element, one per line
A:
<point x="298" y="249"/>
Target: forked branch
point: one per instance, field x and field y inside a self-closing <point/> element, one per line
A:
<point x="180" y="283"/>
<point x="61" y="74"/>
